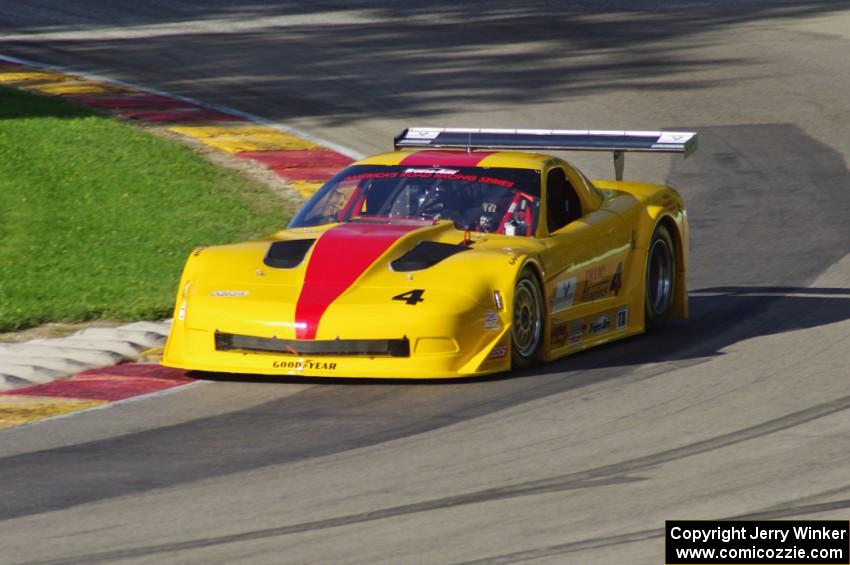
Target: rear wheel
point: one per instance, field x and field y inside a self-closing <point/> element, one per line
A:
<point x="660" y="279"/>
<point x="527" y="326"/>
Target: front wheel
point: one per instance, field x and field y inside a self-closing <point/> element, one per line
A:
<point x="527" y="327"/>
<point x="660" y="279"/>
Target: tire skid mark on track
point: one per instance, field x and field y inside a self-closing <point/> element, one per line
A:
<point x="723" y="238"/>
<point x="717" y="321"/>
<point x="643" y="535"/>
<point x="779" y="207"/>
<point x="328" y="432"/>
<point x="617" y="473"/>
<point x="720" y="317"/>
<point x="322" y="415"/>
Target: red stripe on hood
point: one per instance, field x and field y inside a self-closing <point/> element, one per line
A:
<point x="340" y="256"/>
<point x="445" y="158"/>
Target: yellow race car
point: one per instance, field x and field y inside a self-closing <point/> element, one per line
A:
<point x="460" y="253"/>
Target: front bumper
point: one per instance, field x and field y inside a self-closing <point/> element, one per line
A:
<point x="429" y="357"/>
<point x="365" y="333"/>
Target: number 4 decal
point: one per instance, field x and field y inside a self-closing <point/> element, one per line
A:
<point x="412" y="297"/>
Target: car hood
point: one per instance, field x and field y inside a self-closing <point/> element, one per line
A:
<point x="299" y="273"/>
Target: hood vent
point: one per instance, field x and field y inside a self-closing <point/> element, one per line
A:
<point x="287" y="254"/>
<point x="426" y="254"/>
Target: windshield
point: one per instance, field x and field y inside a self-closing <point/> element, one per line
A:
<point x="492" y="200"/>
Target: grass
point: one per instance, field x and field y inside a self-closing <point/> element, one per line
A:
<point x="97" y="217"/>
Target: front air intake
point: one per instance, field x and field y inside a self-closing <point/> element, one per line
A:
<point x="337" y="347"/>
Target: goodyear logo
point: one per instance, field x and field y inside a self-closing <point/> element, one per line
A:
<point x="304" y="364"/>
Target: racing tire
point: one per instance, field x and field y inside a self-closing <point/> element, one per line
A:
<point x="527" y="321"/>
<point x="660" y="286"/>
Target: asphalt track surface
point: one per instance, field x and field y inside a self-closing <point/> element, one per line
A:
<point x="743" y="411"/>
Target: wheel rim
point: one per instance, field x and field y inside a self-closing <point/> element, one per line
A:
<point x="528" y="323"/>
<point x="660" y="278"/>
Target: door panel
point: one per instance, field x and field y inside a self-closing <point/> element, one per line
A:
<point x="585" y="262"/>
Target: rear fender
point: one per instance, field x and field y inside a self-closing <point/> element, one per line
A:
<point x="657" y="205"/>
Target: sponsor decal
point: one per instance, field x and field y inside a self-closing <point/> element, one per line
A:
<point x="598" y="285"/>
<point x="415" y="173"/>
<point x="559" y="334"/>
<point x="595" y="284"/>
<point x="412" y="171"/>
<point x="575" y="332"/>
<point x="565" y="292"/>
<point x="601" y="324"/>
<point x="594" y="274"/>
<point x="595" y="291"/>
<point x="492" y="321"/>
<point x="498" y="352"/>
<point x="622" y="318"/>
<point x="363" y="176"/>
<point x="302" y="364"/>
<point x="431" y="174"/>
<point x="672" y="137"/>
<point x="617" y="280"/>
<point x="229" y="293"/>
<point x="422" y="133"/>
<point x="499" y="182"/>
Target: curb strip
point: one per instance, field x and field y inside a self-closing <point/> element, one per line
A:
<point x="303" y="161"/>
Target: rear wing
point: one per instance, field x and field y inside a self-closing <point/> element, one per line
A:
<point x="617" y="142"/>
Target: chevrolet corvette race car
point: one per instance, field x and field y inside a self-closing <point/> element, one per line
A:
<point x="460" y="253"/>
